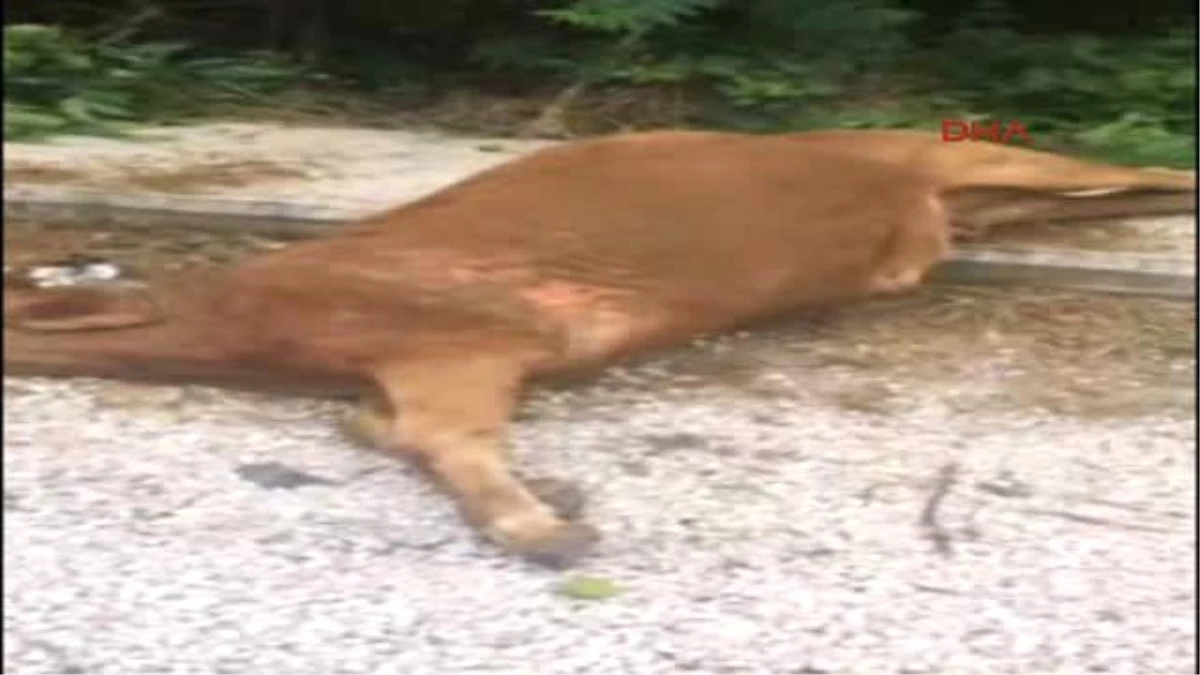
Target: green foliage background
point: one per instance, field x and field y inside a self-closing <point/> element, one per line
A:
<point x="1113" y="79"/>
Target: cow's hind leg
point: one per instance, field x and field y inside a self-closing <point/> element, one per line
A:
<point x="370" y="424"/>
<point x="452" y="415"/>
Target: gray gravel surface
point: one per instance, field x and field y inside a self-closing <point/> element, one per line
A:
<point x="762" y="509"/>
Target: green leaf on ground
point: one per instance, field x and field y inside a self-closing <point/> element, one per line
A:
<point x="589" y="588"/>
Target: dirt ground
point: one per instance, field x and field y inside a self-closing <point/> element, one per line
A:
<point x="1066" y="353"/>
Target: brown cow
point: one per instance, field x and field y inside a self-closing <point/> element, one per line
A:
<point x="566" y="259"/>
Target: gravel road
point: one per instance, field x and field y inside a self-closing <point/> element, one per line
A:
<point x="819" y="497"/>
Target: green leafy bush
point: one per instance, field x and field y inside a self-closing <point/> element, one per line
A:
<point x="627" y="16"/>
<point x="55" y="81"/>
<point x="1124" y="93"/>
<point x="1131" y="99"/>
<point x="756" y="63"/>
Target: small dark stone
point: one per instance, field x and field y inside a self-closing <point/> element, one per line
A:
<point x="12" y="502"/>
<point x="276" y="476"/>
<point x="666" y="443"/>
<point x="635" y="468"/>
<point x="1005" y="485"/>
<point x="149" y="514"/>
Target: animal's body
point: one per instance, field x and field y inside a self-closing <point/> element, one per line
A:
<point x="570" y="258"/>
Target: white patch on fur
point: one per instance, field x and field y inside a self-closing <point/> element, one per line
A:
<point x="73" y="273"/>
<point x="1095" y="192"/>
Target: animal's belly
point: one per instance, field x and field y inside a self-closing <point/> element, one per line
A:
<point x="350" y="328"/>
<point x="393" y="304"/>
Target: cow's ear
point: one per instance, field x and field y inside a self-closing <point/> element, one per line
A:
<point x="78" y="309"/>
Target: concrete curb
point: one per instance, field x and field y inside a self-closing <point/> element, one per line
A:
<point x="1170" y="276"/>
<point x="85" y="208"/>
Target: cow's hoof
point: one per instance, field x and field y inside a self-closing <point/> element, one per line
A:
<point x="544" y="539"/>
<point x="565" y="497"/>
<point x="573" y="542"/>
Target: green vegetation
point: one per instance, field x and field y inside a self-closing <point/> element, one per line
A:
<point x="59" y="82"/>
<point x="589" y="588"/>
<point x="1118" y="83"/>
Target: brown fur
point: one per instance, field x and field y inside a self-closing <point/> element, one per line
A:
<point x="566" y="259"/>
